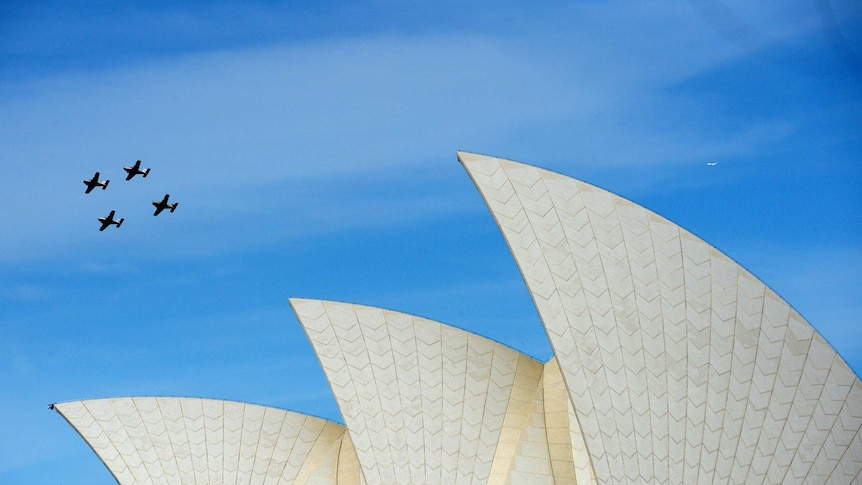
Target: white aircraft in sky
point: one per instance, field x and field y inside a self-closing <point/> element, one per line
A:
<point x="712" y="164"/>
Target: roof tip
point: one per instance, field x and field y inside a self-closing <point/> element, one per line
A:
<point x="466" y="158"/>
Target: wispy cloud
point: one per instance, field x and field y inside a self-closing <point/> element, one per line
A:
<point x="582" y="86"/>
<point x="240" y="119"/>
<point x="108" y="268"/>
<point x="27" y="293"/>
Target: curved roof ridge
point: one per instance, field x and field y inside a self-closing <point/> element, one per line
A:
<point x="467" y="155"/>
<point x="667" y="345"/>
<point x="193" y="440"/>
<point x="448" y="325"/>
<point x="163" y="396"/>
<point x="424" y="402"/>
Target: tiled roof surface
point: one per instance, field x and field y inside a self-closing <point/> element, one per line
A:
<point x="149" y="440"/>
<point x="682" y="367"/>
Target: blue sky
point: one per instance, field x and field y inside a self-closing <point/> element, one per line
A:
<point x="311" y="147"/>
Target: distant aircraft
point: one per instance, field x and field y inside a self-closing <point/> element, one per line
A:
<point x="107" y="221"/>
<point x="712" y="164"/>
<point x="160" y="206"/>
<point x="94" y="182"/>
<point x="135" y="170"/>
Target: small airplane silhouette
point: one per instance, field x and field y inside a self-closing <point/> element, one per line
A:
<point x="136" y="170"/>
<point x="711" y="164"/>
<point x="160" y="206"/>
<point x="94" y="182"/>
<point x="107" y="221"/>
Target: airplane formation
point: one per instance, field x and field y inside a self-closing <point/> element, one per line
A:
<point x="130" y="173"/>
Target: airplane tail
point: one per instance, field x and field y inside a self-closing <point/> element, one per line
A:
<point x="146" y="172"/>
<point x="106" y="184"/>
<point x="120" y="222"/>
<point x="174" y="206"/>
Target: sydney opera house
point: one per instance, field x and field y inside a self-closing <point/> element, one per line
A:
<point x="672" y="364"/>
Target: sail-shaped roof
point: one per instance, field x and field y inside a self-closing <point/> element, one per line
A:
<point x="682" y="367"/>
<point x="148" y="440"/>
<point x="428" y="403"/>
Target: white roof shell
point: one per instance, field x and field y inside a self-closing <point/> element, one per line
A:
<point x="682" y="367"/>
<point x="149" y="440"/>
<point x="429" y="403"/>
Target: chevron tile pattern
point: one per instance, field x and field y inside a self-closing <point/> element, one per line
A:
<point x="681" y="366"/>
<point x="425" y="402"/>
<point x="157" y="440"/>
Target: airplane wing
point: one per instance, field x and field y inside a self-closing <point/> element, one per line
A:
<point x="160" y="206"/>
<point x="133" y="170"/>
<point x="92" y="183"/>
<point x="107" y="221"/>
